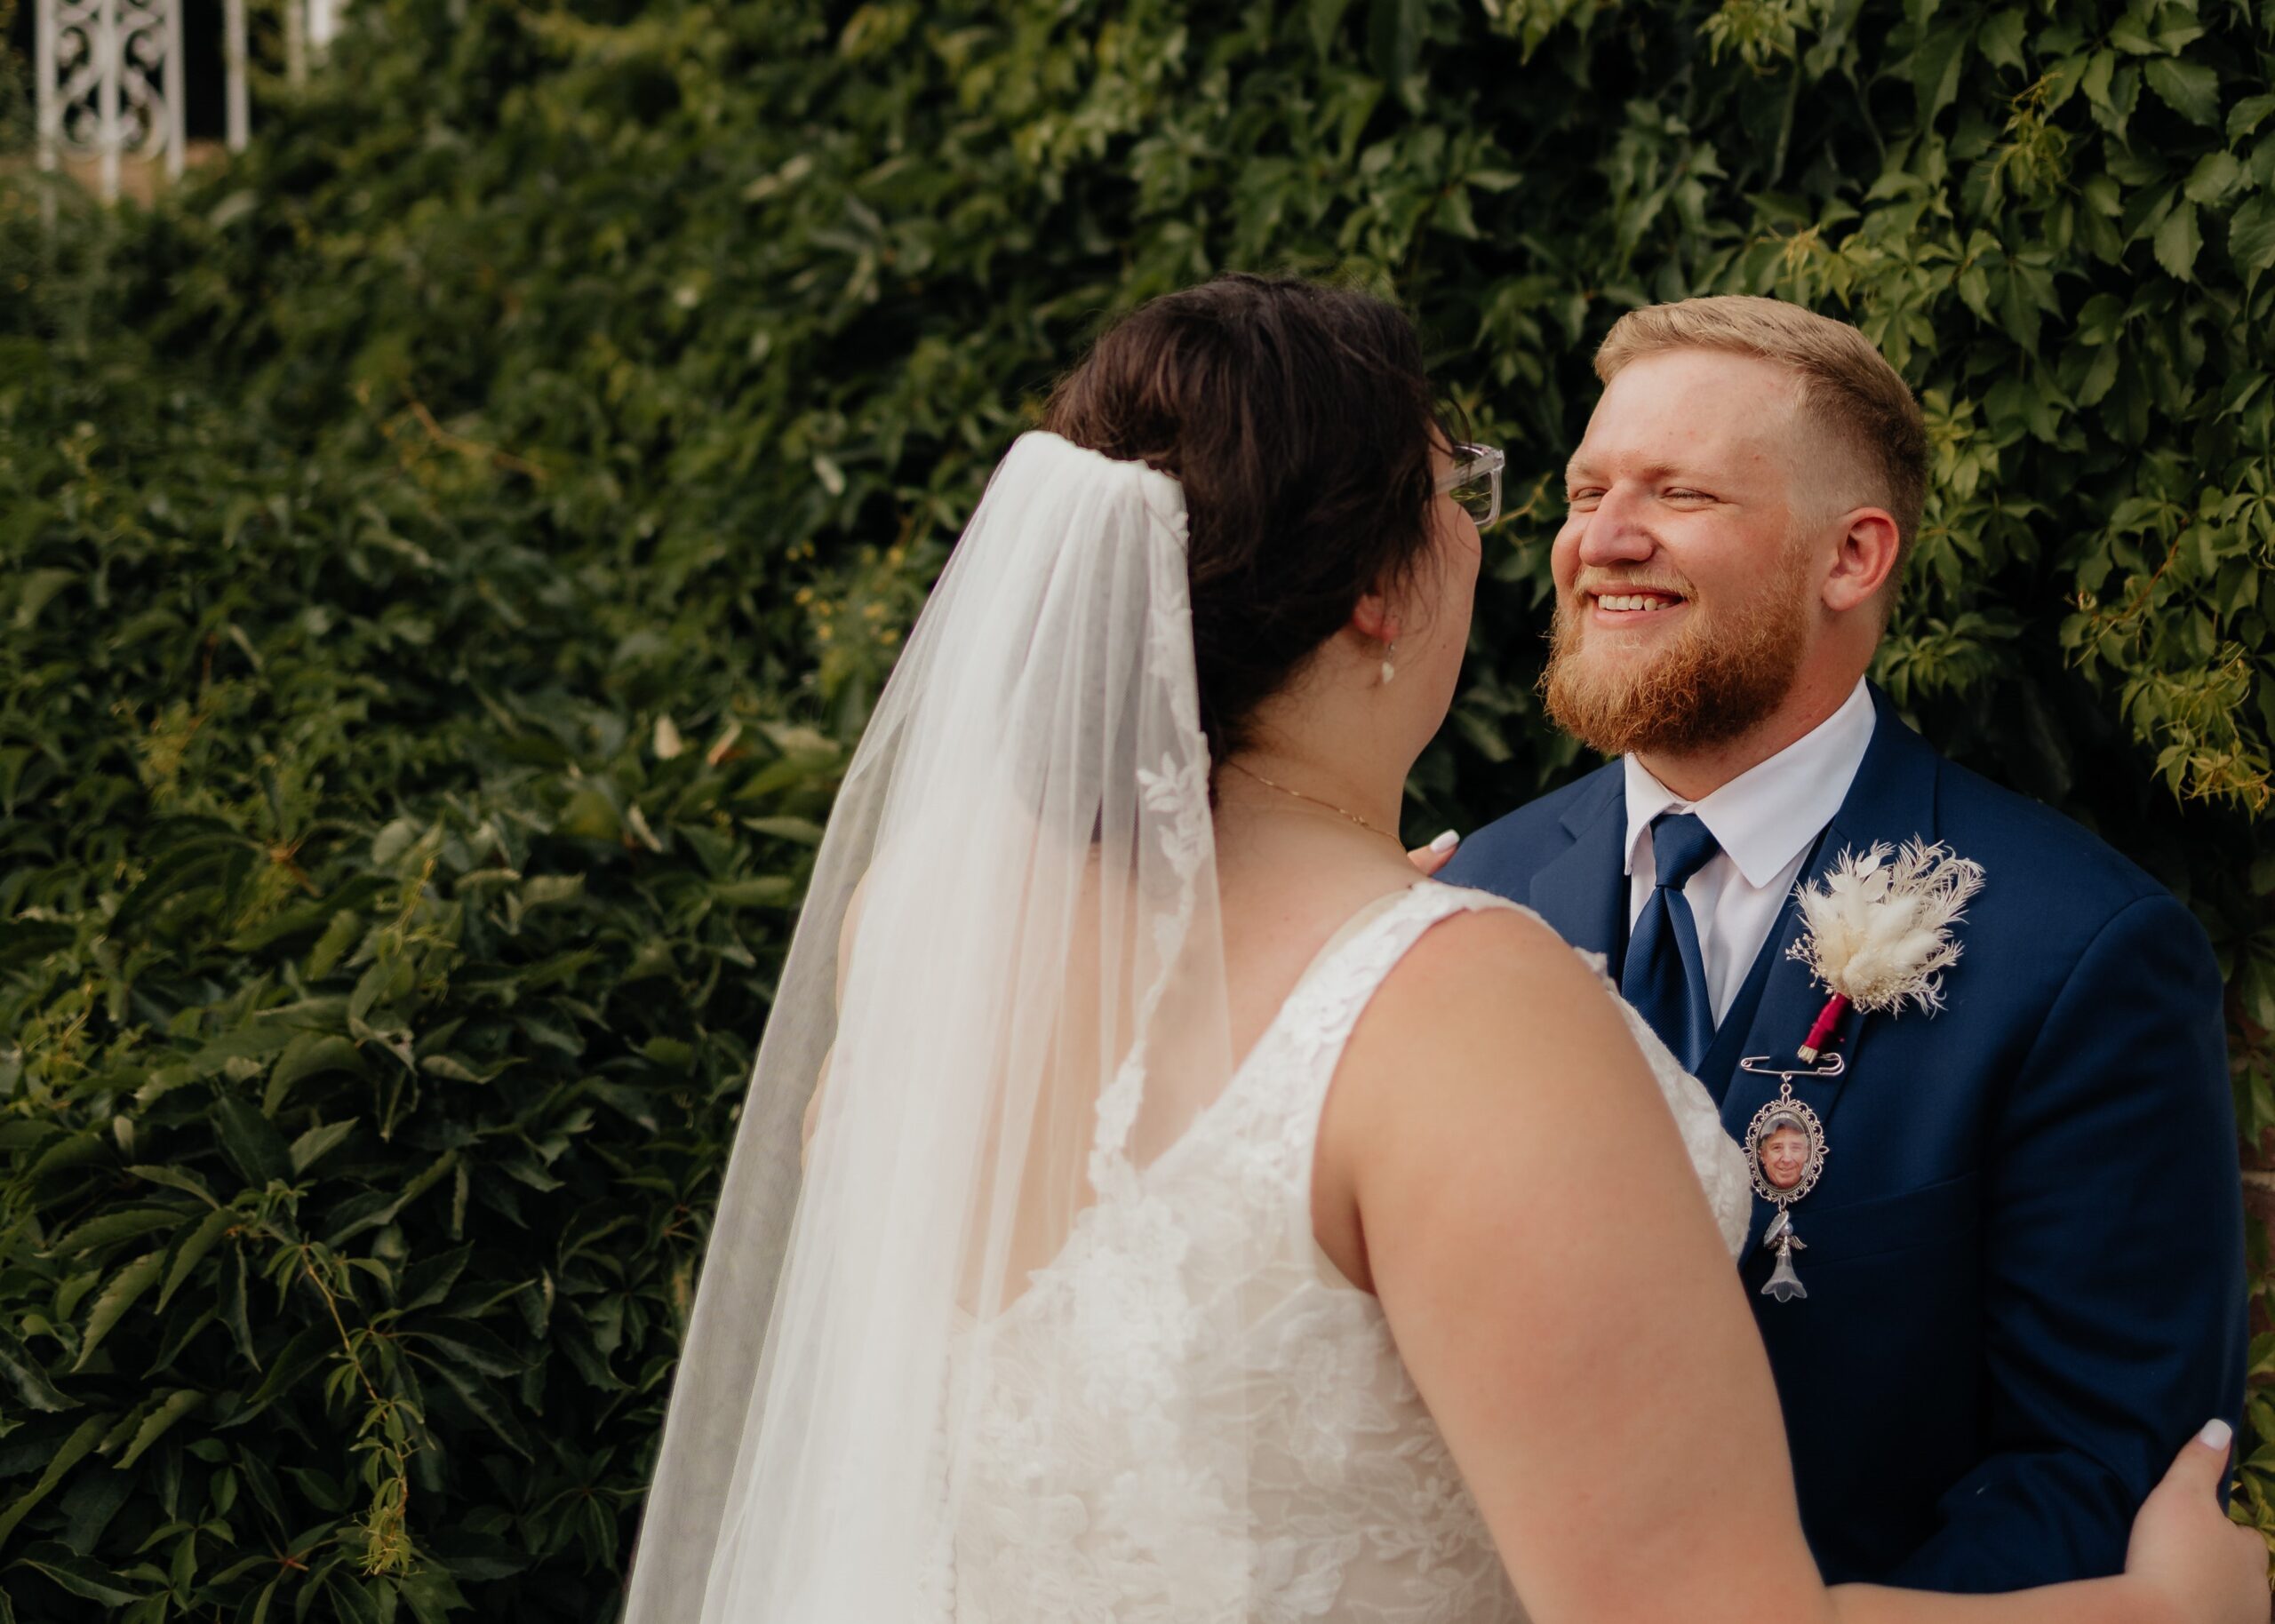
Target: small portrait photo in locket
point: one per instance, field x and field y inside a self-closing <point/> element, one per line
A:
<point x="1785" y="1148"/>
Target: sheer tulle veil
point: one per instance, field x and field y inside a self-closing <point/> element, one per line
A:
<point x="1008" y="986"/>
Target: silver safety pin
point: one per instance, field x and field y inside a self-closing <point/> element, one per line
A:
<point x="1832" y="1065"/>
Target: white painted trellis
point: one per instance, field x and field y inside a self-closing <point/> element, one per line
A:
<point x="109" y="77"/>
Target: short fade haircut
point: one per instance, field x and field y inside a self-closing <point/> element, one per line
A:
<point x="1843" y="380"/>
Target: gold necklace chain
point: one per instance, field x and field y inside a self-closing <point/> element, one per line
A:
<point x="1314" y="799"/>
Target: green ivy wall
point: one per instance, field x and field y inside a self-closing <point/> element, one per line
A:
<point x="445" y="554"/>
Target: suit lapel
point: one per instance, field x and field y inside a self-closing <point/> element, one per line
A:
<point x="1893" y="800"/>
<point x="1582" y="891"/>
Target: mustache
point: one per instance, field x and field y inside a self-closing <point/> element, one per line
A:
<point x="1614" y="585"/>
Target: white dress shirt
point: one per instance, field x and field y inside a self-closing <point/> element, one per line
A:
<point x="1764" y="820"/>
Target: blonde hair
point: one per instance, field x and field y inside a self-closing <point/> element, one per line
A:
<point x="1843" y="381"/>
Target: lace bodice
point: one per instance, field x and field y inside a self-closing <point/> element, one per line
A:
<point x="1293" y="1474"/>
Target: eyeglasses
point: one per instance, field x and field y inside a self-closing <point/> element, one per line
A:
<point x="1475" y="482"/>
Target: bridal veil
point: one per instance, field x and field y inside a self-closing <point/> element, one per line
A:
<point x="1008" y="987"/>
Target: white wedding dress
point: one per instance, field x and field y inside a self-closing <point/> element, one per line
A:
<point x="1097" y="1501"/>
<point x="1010" y="969"/>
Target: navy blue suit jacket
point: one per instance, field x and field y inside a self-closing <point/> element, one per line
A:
<point x="2024" y="1259"/>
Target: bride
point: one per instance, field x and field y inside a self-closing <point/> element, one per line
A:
<point x="1201" y="1218"/>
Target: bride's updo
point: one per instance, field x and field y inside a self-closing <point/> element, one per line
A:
<point x="1300" y="421"/>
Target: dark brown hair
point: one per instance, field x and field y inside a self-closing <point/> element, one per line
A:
<point x="1300" y="421"/>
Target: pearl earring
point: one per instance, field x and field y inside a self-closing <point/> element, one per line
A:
<point x="1389" y="670"/>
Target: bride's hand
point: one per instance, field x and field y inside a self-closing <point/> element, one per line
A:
<point x="2185" y="1551"/>
<point x="1436" y="855"/>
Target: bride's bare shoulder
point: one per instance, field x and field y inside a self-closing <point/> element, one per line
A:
<point x="1486" y="976"/>
<point x="1490" y="1033"/>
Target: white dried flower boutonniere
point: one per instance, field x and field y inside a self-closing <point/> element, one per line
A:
<point x="1879" y="930"/>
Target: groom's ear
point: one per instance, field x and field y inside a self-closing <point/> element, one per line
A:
<point x="1865" y="560"/>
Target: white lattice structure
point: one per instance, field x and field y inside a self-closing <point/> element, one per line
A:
<point x="109" y="77"/>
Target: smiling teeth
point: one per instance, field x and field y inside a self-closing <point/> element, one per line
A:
<point x="1632" y="602"/>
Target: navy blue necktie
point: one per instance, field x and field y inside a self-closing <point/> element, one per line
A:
<point x="1665" y="976"/>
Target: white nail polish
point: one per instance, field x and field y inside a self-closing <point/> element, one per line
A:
<point x="1446" y="841"/>
<point x="2216" y="1435"/>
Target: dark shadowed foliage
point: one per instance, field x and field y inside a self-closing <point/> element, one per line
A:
<point x="445" y="552"/>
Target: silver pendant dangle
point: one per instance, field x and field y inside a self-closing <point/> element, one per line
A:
<point x="1784" y="1149"/>
<point x="1784" y="1283"/>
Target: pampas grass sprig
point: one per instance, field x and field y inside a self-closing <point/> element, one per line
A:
<point x="1880" y="926"/>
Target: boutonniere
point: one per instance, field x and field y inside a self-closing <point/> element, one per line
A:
<point x="1877" y="935"/>
<point x="1878" y="931"/>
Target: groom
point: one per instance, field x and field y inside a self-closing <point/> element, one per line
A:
<point x="2023" y="1260"/>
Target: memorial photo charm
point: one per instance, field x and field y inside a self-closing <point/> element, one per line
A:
<point x="1785" y="1148"/>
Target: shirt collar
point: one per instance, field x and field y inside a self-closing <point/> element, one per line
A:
<point x="1766" y="815"/>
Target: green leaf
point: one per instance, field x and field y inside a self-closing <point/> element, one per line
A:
<point x="2001" y="38"/>
<point x="1455" y="216"/>
<point x="253" y="1142"/>
<point x="27" y="942"/>
<point x="308" y="1349"/>
<point x="2189" y="89"/>
<point x="352" y="1601"/>
<point x="30" y="1381"/>
<point x="547" y="890"/>
<point x="234" y="1314"/>
<point x="193" y="862"/>
<point x="175" y="1178"/>
<point x="589" y="813"/>
<point x="176" y="1405"/>
<point x="2178" y="241"/>
<point x="340" y="932"/>
<point x="2128" y="35"/>
<point x="311" y="1145"/>
<point x="371" y="1208"/>
<point x="478" y="1560"/>
<point x="192" y="1247"/>
<point x="2095" y="80"/>
<point x="481" y="1401"/>
<point x="124" y="1224"/>
<point x="471" y="1345"/>
<point x="765" y="891"/>
<point x="805" y="831"/>
<point x="454" y="1068"/>
<point x="387" y="979"/>
<point x="67" y="1455"/>
<point x="310" y="1054"/>
<point x="1935" y="68"/>
<point x="2251" y="235"/>
<point x="432" y="1595"/>
<point x="36" y="588"/>
<point x="127" y="1285"/>
<point x="2215" y="176"/>
<point x="74" y="1290"/>
<point x="1394" y="31"/>
<point x="304" y="917"/>
<point x="78" y="1574"/>
<point x="1323" y="19"/>
<point x="72" y="1150"/>
<point x="180" y="1328"/>
<point x="429" y="1280"/>
<point x="400" y="835"/>
<point x="2246" y="116"/>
